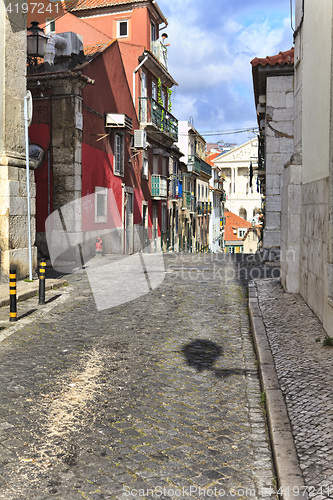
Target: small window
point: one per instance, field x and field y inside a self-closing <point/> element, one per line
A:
<point x="101" y="198"/>
<point x="164" y="218"/>
<point x="119" y="154"/>
<point x="145" y="168"/>
<point x="241" y="233"/>
<point x="156" y="159"/>
<point x="50" y="26"/>
<point x="153" y="32"/>
<point x="154" y="90"/>
<point x="165" y="164"/>
<point x="122" y="29"/>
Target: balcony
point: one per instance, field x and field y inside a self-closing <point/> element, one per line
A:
<point x="160" y="52"/>
<point x="160" y="123"/>
<point x="197" y="165"/>
<point x="159" y="187"/>
<point x="175" y="188"/>
<point x="188" y="202"/>
<point x="204" y="208"/>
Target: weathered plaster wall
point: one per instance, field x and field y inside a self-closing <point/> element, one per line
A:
<point x="314" y="239"/>
<point x="316" y="89"/>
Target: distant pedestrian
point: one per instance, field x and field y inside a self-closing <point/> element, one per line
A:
<point x="162" y="39"/>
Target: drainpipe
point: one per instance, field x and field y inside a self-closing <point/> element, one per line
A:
<point x="54" y="42"/>
<point x="27" y="121"/>
<point x="134" y="72"/>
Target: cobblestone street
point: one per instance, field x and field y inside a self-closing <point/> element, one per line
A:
<point x="156" y="398"/>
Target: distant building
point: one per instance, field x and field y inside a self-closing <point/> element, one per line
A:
<point x="217" y="200"/>
<point x="235" y="230"/>
<point x="238" y="167"/>
<point x="194" y="226"/>
<point x="252" y="240"/>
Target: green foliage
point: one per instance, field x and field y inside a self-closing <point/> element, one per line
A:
<point x="328" y="341"/>
<point x="169" y="99"/>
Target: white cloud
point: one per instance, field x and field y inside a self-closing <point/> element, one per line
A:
<point x="210" y="54"/>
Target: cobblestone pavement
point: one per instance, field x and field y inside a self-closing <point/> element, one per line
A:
<point x="155" y="398"/>
<point x="305" y="371"/>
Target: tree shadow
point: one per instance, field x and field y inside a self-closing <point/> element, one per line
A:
<point x="228" y="372"/>
<point x="201" y="354"/>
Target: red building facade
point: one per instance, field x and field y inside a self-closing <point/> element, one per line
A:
<point x="107" y="128"/>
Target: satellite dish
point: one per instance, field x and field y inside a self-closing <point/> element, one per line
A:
<point x="36" y="155"/>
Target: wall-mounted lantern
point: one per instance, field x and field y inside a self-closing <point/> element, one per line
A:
<point x="36" y="41"/>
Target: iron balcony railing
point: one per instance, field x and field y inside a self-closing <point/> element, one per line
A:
<point x="160" y="52"/>
<point x="152" y="113"/>
<point x="175" y="188"/>
<point x="197" y="165"/>
<point x="189" y="201"/>
<point x="204" y="208"/>
<point x="159" y="186"/>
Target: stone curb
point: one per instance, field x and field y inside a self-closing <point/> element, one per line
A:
<point x="285" y="458"/>
<point x="31" y="291"/>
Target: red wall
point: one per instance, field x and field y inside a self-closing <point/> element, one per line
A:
<point x="40" y="134"/>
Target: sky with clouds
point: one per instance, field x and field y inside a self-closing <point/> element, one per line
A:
<point x="211" y="45"/>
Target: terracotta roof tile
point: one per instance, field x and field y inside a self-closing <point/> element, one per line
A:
<point x="211" y="157"/>
<point x="95" y="4"/>
<point x="90" y="50"/>
<point x="281" y="59"/>
<point x="232" y="222"/>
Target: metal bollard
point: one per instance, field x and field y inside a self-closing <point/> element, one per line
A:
<point x="41" y="276"/>
<point x="12" y="295"/>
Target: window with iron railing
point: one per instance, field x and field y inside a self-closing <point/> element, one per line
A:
<point x="152" y="113"/>
<point x="158" y="186"/>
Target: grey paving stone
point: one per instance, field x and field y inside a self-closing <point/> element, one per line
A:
<point x="304" y="369"/>
<point x="100" y="401"/>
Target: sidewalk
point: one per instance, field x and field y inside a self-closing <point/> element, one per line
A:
<point x="297" y="373"/>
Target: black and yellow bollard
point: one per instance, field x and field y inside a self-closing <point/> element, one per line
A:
<point x="12" y="295"/>
<point x="41" y="276"/>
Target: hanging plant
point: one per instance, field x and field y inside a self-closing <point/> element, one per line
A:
<point x="159" y="92"/>
<point x="169" y="99"/>
<point x="160" y="100"/>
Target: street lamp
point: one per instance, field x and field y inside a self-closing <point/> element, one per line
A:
<point x="36" y="41"/>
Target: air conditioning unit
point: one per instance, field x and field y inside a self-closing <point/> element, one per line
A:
<point x="140" y="139"/>
<point x="117" y="120"/>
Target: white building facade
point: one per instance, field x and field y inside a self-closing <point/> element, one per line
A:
<point x="216" y="202"/>
<point x="242" y="198"/>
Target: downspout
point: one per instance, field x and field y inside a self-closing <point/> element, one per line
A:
<point x="54" y="42"/>
<point x="134" y="72"/>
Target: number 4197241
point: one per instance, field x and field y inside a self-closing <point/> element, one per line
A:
<point x="32" y="7"/>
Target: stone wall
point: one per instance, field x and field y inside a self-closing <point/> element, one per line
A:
<point x="279" y="148"/>
<point x="314" y="244"/>
<point x="13" y="192"/>
<point x="291" y="199"/>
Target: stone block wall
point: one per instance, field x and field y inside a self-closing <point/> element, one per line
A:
<point x="13" y="185"/>
<point x="279" y="148"/>
<point x="291" y="199"/>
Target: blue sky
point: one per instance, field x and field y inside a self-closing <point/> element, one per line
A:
<point x="211" y="45"/>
